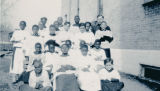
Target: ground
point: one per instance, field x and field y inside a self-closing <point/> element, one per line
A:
<point x="131" y="84"/>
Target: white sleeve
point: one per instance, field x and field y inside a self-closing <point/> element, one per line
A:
<point x="116" y="75"/>
<point x="103" y="55"/>
<point x="46" y="79"/>
<point x="32" y="80"/>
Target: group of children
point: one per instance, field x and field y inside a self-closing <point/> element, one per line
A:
<point x="64" y="57"/>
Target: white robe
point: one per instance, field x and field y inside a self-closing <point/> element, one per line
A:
<point x="87" y="37"/>
<point x="51" y="59"/>
<point x="29" y="44"/>
<point x="99" y="34"/>
<point x="105" y="75"/>
<point x="18" y="59"/>
<point x="88" y="80"/>
<point x="64" y="35"/>
<point x="44" y="78"/>
<point x="32" y="57"/>
<point x="44" y="32"/>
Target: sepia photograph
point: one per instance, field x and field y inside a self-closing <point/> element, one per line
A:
<point x="79" y="45"/>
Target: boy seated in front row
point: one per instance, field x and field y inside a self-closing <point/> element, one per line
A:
<point x="37" y="80"/>
<point x="110" y="78"/>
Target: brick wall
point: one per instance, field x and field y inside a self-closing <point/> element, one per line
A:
<point x="132" y="28"/>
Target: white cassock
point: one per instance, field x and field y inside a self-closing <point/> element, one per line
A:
<point x="18" y="56"/>
<point x="105" y="75"/>
<point x="87" y="37"/>
<point x="98" y="55"/>
<point x="32" y="57"/>
<point x="44" y="32"/>
<point x="51" y="59"/>
<point x="44" y="78"/>
<point x="64" y="35"/>
<point x="88" y="80"/>
<point x="99" y="34"/>
<point x="74" y="29"/>
<point x="29" y="44"/>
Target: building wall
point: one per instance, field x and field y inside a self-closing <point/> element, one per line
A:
<point x="132" y="29"/>
<point x="88" y="9"/>
<point x="136" y="34"/>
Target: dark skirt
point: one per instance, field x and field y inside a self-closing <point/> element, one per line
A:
<point x="67" y="82"/>
<point x="111" y="86"/>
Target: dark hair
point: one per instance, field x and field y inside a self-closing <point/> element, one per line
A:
<point x="35" y="26"/>
<point x="87" y="23"/>
<point x="38" y="44"/>
<point x="52" y="25"/>
<point x="84" y="46"/>
<point x="82" y="24"/>
<point x="44" y="18"/>
<point x="37" y="60"/>
<point x="108" y="60"/>
<point x="67" y="23"/>
<point x="64" y="45"/>
<point x="68" y="41"/>
<point x="76" y="16"/>
<point x="97" y="40"/>
<point x="23" y="22"/>
<point x="107" y="28"/>
<point x="100" y="16"/>
<point x="51" y="42"/>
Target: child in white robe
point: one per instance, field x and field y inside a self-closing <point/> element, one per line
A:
<point x="98" y="53"/>
<point x="52" y="35"/>
<point x="18" y="39"/>
<point x="88" y="37"/>
<point x="65" y="72"/>
<point x="106" y="37"/>
<point x="39" y="78"/>
<point x="51" y="57"/>
<point x="87" y="77"/>
<point x="43" y="31"/>
<point x="37" y="54"/>
<point x="65" y="33"/>
<point x="110" y="78"/>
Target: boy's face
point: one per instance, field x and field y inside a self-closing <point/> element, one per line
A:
<point x="56" y="24"/>
<point x="88" y="26"/>
<point x="44" y="21"/>
<point x="103" y="25"/>
<point x="82" y="42"/>
<point x="82" y="29"/>
<point x="97" y="45"/>
<point x="84" y="51"/>
<point x="67" y="26"/>
<point x="52" y="30"/>
<point x="38" y="48"/>
<point x="22" y="25"/>
<point x="60" y="20"/>
<point x="51" y="48"/>
<point x="109" y="66"/>
<point x="38" y="67"/>
<point x="76" y="19"/>
<point x="64" y="49"/>
<point x="100" y="19"/>
<point x="35" y="30"/>
<point x="68" y="43"/>
<point x="40" y="26"/>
